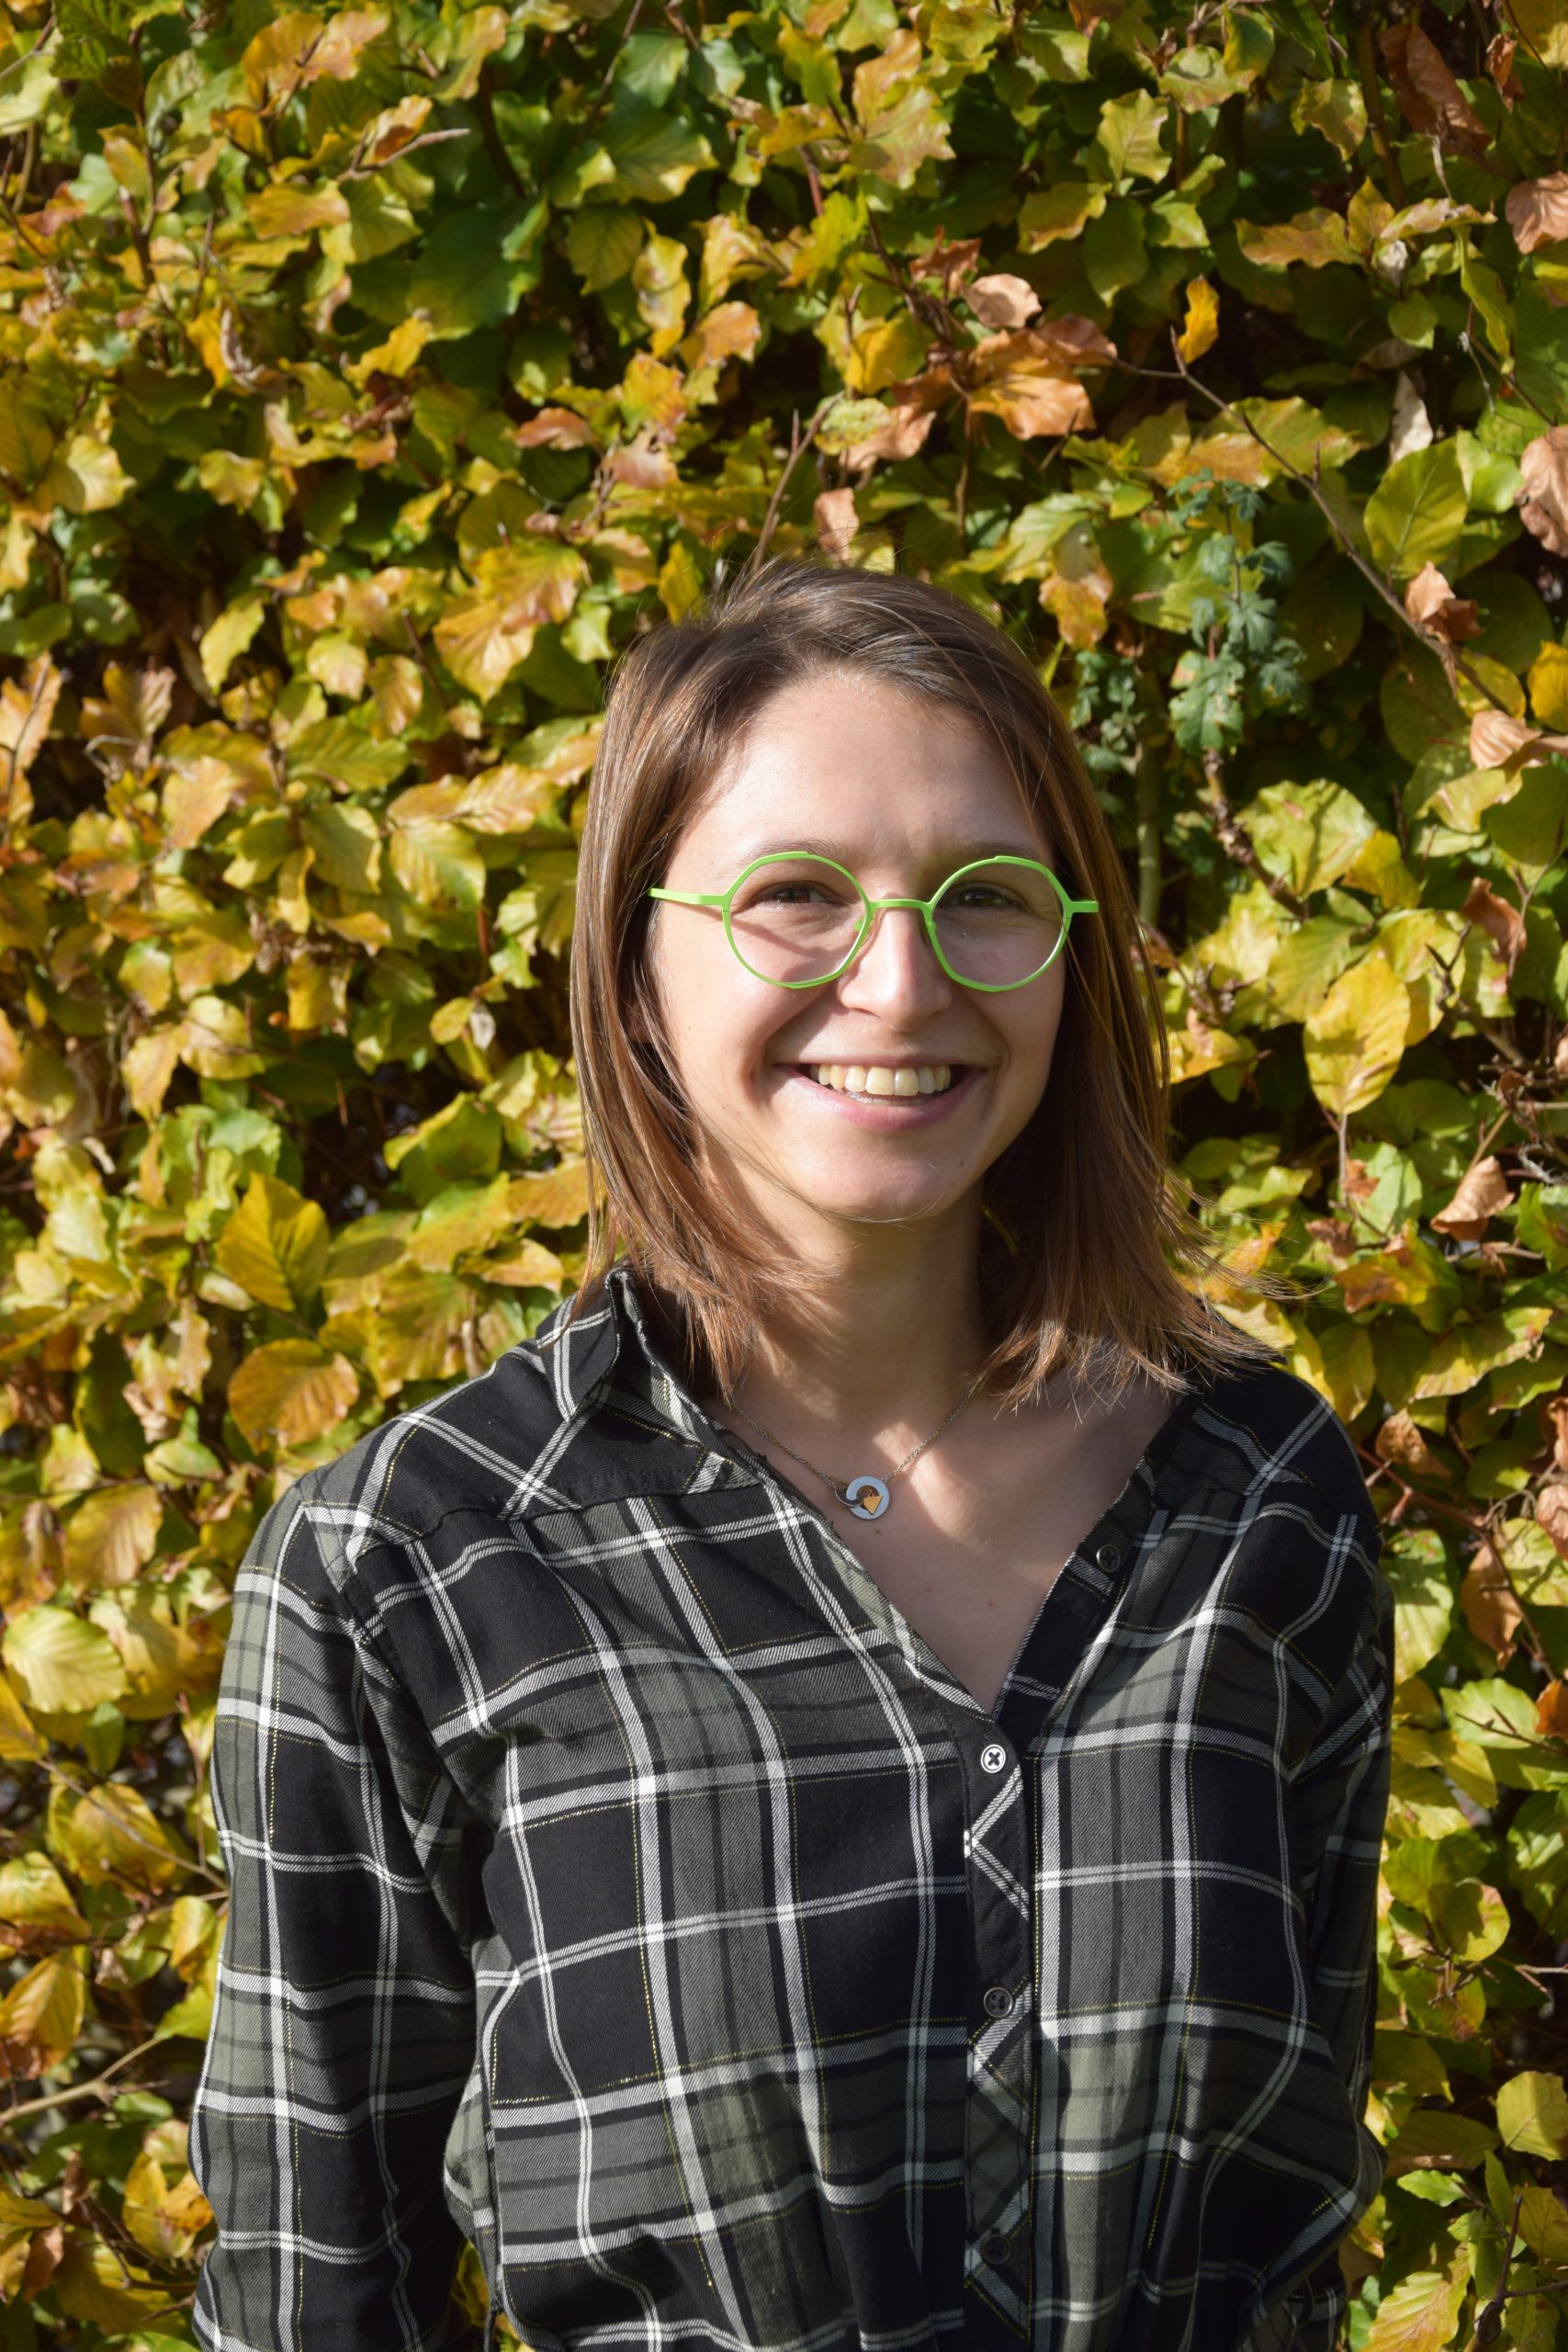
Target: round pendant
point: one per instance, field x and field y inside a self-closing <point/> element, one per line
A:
<point x="867" y="1498"/>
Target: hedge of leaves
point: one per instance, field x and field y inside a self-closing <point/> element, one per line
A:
<point x="369" y="378"/>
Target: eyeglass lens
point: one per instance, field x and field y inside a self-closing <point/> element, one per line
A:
<point x="797" y="919"/>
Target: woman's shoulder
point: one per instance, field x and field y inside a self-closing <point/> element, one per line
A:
<point x="548" y="1427"/>
<point x="1260" y="1429"/>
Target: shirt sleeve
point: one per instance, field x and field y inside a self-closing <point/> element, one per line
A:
<point x="1340" y="1802"/>
<point x="343" y="2029"/>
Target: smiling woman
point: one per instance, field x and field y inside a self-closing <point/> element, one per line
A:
<point x="833" y="1797"/>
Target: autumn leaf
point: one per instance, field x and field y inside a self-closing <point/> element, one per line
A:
<point x="290" y="1392"/>
<point x="1482" y="1194"/>
<point x="275" y="1246"/>
<point x="1201" y="330"/>
<point x="1429" y="97"/>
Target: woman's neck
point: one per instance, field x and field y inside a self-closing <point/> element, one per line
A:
<point x="879" y="1334"/>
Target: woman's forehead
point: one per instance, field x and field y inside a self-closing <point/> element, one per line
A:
<point x="858" y="761"/>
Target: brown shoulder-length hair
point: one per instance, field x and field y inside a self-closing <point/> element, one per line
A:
<point x="1088" y="1254"/>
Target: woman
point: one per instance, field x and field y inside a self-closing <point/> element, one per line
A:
<point x="832" y="1798"/>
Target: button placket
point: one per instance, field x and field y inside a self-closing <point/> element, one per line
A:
<point x="1000" y="2056"/>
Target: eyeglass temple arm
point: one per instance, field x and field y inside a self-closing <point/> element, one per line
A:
<point x="693" y="897"/>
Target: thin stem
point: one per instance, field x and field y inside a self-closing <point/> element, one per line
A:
<point x="77" y="2090"/>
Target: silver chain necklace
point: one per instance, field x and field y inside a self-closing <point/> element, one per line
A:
<point x="864" y="1496"/>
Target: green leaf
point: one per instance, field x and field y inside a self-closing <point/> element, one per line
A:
<point x="653" y="155"/>
<point x="475" y="268"/>
<point x="1416" y="513"/>
<point x="603" y="242"/>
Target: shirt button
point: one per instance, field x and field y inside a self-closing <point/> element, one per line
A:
<point x="993" y="1757"/>
<point x="1109" y="1558"/>
<point x="998" y="2002"/>
<point x="995" y="2247"/>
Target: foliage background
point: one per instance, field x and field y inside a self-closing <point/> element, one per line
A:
<point x="370" y="376"/>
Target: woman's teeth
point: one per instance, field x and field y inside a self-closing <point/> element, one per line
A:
<point x="854" y="1077"/>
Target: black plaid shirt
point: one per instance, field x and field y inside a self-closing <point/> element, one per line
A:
<point x="618" y="1880"/>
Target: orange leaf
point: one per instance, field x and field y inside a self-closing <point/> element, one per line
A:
<point x="1482" y="1191"/>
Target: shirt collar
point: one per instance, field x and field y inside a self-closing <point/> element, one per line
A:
<point x="611" y="1347"/>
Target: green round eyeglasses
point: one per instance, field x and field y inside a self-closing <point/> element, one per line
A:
<point x="800" y="920"/>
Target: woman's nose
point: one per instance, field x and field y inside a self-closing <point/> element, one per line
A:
<point x="895" y="973"/>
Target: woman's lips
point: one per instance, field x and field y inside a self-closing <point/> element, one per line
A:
<point x="887" y="1112"/>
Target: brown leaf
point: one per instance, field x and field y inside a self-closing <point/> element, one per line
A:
<point x="554" y="428"/>
<point x="1482" y="1192"/>
<point x="1500" y="51"/>
<point x="1430" y="98"/>
<point x="1399" y="1439"/>
<point x="837" y="523"/>
<point x="950" y="265"/>
<point x="1551" y="1712"/>
<point x="1538" y="211"/>
<point x="904" y="435"/>
<point x="1490" y="1608"/>
<point x="728" y="332"/>
<point x="1543" y="467"/>
<point x="1020" y="379"/>
<point x="1002" y="300"/>
<point x="1555" y="1412"/>
<point x="1551" y="1513"/>
<point x="1431" y="602"/>
<point x="1075" y="342"/>
<point x="1496" y="739"/>
<point x="1503" y="924"/>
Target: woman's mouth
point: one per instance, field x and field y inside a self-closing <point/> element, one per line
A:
<point x="882" y="1081"/>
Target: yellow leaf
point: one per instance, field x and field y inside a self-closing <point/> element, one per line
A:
<point x="1532" y="2115"/>
<point x="1548" y="683"/>
<point x="1421" y="2312"/>
<point x="93" y="2284"/>
<point x="19" y="1743"/>
<point x="165" y="2217"/>
<point x="276" y="1245"/>
<point x="111" y="1535"/>
<point x="36" y="1909"/>
<point x="41" y="2015"/>
<point x="662" y="289"/>
<point x="289" y="1392"/>
<point x="1355" y="1038"/>
<point x="110" y="1833"/>
<point x="62" y="1665"/>
<point x="1202" y="328"/>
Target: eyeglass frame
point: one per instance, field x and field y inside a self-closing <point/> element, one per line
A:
<point x="871" y="907"/>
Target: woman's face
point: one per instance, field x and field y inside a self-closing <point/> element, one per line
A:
<point x="902" y="792"/>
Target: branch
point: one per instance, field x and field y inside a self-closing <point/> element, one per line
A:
<point x="77" y="2090"/>
<point x="798" y="445"/>
<point x="1428" y="638"/>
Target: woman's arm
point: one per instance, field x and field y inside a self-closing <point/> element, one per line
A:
<point x="1339" y="1799"/>
<point x="343" y="2028"/>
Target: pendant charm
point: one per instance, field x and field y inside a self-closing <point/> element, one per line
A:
<point x="867" y="1498"/>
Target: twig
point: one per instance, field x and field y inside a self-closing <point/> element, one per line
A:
<point x="798" y="445"/>
<point x="1377" y="121"/>
<point x="597" y="109"/>
<point x="77" y="2090"/>
<point x="1489" y="2318"/>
